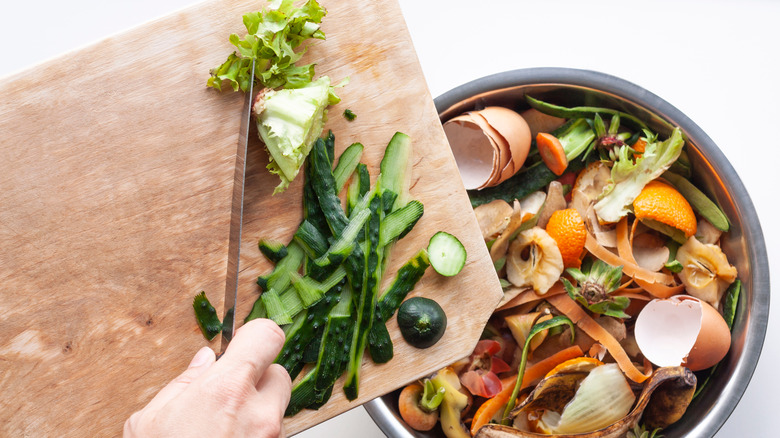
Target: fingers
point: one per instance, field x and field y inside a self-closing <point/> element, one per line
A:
<point x="199" y="364"/>
<point x="253" y="348"/>
<point x="272" y="398"/>
<point x="275" y="384"/>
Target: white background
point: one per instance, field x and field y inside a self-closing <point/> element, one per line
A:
<point x="717" y="61"/>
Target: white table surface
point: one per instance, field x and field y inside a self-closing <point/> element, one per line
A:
<point x="717" y="61"/>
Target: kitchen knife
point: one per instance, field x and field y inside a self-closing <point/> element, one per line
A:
<point x="236" y="218"/>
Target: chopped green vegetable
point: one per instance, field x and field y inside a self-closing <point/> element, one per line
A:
<point x="206" y="315"/>
<point x="349" y="115"/>
<point x="398" y="223"/>
<point x="348" y="161"/>
<point x="274" y="307"/>
<point x="446" y="253"/>
<point x="274" y="251"/>
<point x="730" y="305"/>
<point x="630" y="174"/>
<point x="272" y="36"/>
<point x="523" y="183"/>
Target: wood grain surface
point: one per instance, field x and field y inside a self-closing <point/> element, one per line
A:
<point x="116" y="165"/>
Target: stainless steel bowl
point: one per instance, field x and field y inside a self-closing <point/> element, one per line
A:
<point x="744" y="244"/>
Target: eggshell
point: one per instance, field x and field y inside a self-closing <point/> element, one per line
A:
<point x="714" y="339"/>
<point x="505" y="166"/>
<point x="474" y="153"/>
<point x="513" y="127"/>
<point x="682" y="330"/>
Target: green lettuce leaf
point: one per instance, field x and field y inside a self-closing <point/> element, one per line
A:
<point x="629" y="175"/>
<point x="272" y="37"/>
<point x="289" y="122"/>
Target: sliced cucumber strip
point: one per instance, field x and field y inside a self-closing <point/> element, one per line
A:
<point x="447" y="255"/>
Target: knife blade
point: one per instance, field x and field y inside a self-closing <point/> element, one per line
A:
<point x="236" y="219"/>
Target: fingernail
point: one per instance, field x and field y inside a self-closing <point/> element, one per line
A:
<point x="201" y="357"/>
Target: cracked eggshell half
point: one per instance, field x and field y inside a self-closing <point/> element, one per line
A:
<point x="474" y="152"/>
<point x="513" y="128"/>
<point x="682" y="330"/>
<point x="505" y="167"/>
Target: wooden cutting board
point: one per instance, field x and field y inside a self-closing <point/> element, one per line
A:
<point x="115" y="171"/>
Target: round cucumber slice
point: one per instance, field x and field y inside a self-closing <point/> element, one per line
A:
<point x="446" y="253"/>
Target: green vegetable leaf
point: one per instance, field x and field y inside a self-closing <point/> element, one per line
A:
<point x="349" y="115"/>
<point x="272" y="37"/>
<point x="630" y="174"/>
<point x="206" y="315"/>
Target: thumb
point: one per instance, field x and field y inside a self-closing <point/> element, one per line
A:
<point x="199" y="364"/>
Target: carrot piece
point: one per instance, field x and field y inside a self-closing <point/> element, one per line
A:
<point x="573" y="311"/>
<point x="493" y="405"/>
<point x="552" y="152"/>
<point x="528" y="296"/>
<point x="626" y="252"/>
<point x="639" y="146"/>
<point x="629" y="268"/>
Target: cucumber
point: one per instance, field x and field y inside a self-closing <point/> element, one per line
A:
<point x="334" y="349"/>
<point x="279" y="278"/>
<point x="330" y="147"/>
<point x="398" y="223"/>
<point x="274" y="307"/>
<point x="258" y="311"/>
<point x="422" y="322"/>
<point x="325" y="187"/>
<point x="343" y="246"/>
<point x="206" y="315"/>
<point x="311" y="240"/>
<point x="522" y="184"/>
<point x="301" y="334"/>
<point x="379" y="342"/>
<point x="395" y="168"/>
<point x="366" y="301"/>
<point x="348" y="161"/>
<point x="274" y="251"/>
<point x="302" y="395"/>
<point x="311" y="291"/>
<point x="405" y="279"/>
<point x="360" y="185"/>
<point x="447" y="255"/>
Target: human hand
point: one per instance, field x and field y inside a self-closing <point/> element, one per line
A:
<point x="242" y="395"/>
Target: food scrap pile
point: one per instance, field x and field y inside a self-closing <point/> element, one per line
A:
<point x="616" y="286"/>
